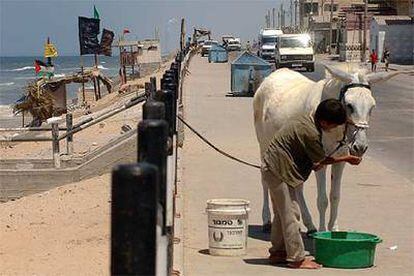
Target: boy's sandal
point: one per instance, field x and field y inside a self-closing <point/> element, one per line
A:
<point x="306" y="263"/>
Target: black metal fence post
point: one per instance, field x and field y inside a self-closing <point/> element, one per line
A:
<point x="153" y="110"/>
<point x="69" y="138"/>
<point x="148" y="90"/>
<point x="167" y="97"/>
<point x="172" y="73"/>
<point x="134" y="219"/>
<point x="152" y="148"/>
<point x="176" y="68"/>
<point x="173" y="89"/>
<point x="153" y="81"/>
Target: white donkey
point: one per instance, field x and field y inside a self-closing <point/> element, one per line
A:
<point x="286" y="93"/>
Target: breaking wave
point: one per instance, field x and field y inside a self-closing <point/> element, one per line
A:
<point x="22" y="69"/>
<point x="102" y="67"/>
<point x="6" y="83"/>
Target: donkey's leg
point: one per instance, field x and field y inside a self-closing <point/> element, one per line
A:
<point x="322" y="199"/>
<point x="306" y="216"/>
<point x="266" y="216"/>
<point x="335" y="194"/>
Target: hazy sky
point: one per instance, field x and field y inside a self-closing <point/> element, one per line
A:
<point x="25" y="25"/>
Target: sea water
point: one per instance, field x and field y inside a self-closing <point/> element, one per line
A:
<point x="16" y="72"/>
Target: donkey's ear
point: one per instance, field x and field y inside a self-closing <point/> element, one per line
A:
<point x="384" y="76"/>
<point x="339" y="74"/>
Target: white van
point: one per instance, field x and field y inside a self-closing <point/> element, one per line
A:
<point x="295" y="51"/>
<point x="267" y="43"/>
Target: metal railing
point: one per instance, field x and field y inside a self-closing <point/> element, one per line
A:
<point x="70" y="129"/>
<point x="143" y="194"/>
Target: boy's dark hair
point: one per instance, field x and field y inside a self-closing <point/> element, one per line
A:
<point x="331" y="111"/>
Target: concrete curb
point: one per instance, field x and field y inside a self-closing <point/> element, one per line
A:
<point x="18" y="183"/>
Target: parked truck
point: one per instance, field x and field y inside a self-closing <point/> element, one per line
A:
<point x="294" y="51"/>
<point x="267" y="43"/>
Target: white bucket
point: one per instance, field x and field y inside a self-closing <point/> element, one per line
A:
<point x="227" y="226"/>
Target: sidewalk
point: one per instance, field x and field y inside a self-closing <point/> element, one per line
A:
<point x="374" y="199"/>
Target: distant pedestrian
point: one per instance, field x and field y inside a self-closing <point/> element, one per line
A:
<point x="374" y="60"/>
<point x="248" y="47"/>
<point x="254" y="45"/>
<point x="386" y="58"/>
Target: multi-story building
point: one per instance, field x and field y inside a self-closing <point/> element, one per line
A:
<point x="347" y="27"/>
<point x="315" y="16"/>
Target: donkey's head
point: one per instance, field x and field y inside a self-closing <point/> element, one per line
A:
<point x="356" y="96"/>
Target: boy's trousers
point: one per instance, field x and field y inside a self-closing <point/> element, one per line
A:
<point x="285" y="235"/>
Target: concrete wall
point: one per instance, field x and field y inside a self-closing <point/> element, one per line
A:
<point x="148" y="68"/>
<point x="150" y="52"/>
<point x="350" y="49"/>
<point x="59" y="98"/>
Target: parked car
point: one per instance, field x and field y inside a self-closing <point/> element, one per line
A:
<point x="207" y="46"/>
<point x="233" y="45"/>
<point x="295" y="51"/>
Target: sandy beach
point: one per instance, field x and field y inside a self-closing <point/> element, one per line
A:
<point x="64" y="231"/>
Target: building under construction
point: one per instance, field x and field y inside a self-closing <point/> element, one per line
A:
<point x="343" y="26"/>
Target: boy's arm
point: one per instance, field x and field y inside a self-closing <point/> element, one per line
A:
<point x="351" y="159"/>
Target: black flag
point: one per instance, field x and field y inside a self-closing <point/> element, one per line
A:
<point x="88" y="35"/>
<point x="106" y="42"/>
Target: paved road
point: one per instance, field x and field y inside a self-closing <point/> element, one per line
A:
<point x="391" y="132"/>
<point x="375" y="199"/>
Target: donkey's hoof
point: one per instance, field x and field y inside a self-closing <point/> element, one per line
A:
<point x="267" y="228"/>
<point x="334" y="228"/>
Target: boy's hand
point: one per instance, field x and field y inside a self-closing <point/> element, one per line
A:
<point x="353" y="160"/>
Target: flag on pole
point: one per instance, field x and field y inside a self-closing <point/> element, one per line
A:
<point x="95" y="13"/>
<point x="106" y="42"/>
<point x="42" y="69"/>
<point x="39" y="66"/>
<point x="50" y="50"/>
<point x="126" y="31"/>
<point x="88" y="35"/>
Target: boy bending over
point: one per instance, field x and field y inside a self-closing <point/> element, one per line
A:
<point x="292" y="154"/>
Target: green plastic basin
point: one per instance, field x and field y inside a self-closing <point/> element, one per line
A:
<point x="345" y="249"/>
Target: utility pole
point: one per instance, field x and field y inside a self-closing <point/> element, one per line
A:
<point x="291" y="13"/>
<point x="268" y="16"/>
<point x="364" y="44"/>
<point x="279" y="20"/>
<point x="296" y="13"/>
<point x="273" y="18"/>
<point x="330" y="29"/>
